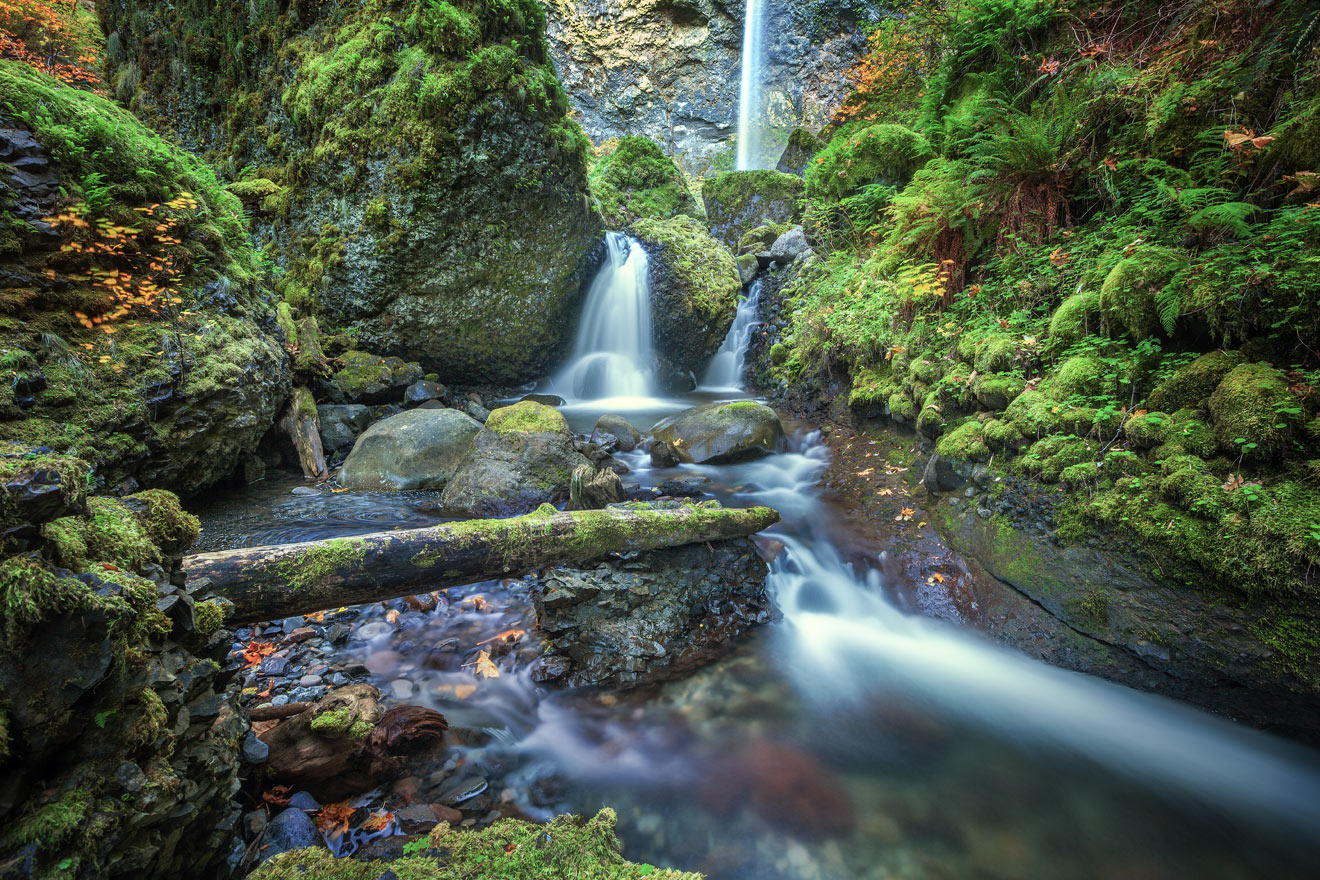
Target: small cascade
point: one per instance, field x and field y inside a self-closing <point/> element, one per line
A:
<point x="725" y="372"/>
<point x="613" y="356"/>
<point x="751" y="116"/>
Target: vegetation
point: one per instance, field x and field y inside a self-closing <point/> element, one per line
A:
<point x="635" y="180"/>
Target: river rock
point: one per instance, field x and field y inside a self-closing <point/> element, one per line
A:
<point x="418" y="449"/>
<point x="545" y="399"/>
<point x="617" y="430"/>
<point x="522" y="457"/>
<point x="291" y="829"/>
<point x="422" y="391"/>
<point x="370" y="378"/>
<point x="720" y="432"/>
<point x="341" y="424"/>
<point x="624" y="622"/>
<point x="789" y="246"/>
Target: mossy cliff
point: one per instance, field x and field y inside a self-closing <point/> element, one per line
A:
<point x="1088" y="275"/>
<point x="134" y="325"/>
<point x="634" y="180"/>
<point x="410" y="163"/>
<point x="118" y="747"/>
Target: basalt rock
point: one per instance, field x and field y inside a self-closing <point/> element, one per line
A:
<point x="418" y="449"/>
<point x="717" y="432"/>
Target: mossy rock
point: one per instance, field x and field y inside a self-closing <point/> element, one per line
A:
<point x="870" y="388"/>
<point x="1190" y="432"/>
<point x="1192" y="384"/>
<point x="371" y="379"/>
<point x="636" y="181"/>
<point x="1077" y="317"/>
<point x="418" y="449"/>
<point x="801" y="148"/>
<point x="1001" y="434"/>
<point x="994" y="354"/>
<point x="738" y="201"/>
<point x="715" y="433"/>
<point x="1253" y="412"/>
<point x="965" y="442"/>
<point x="901" y="408"/>
<point x="694" y="291"/>
<point x="996" y="392"/>
<point x="931" y="420"/>
<point x="1083" y="376"/>
<point x="1149" y="429"/>
<point x="1130" y="295"/>
<point x="1050" y="456"/>
<point x="760" y="239"/>
<point x="885" y="153"/>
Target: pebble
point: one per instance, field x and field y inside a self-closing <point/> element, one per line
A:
<point x="339" y="679"/>
<point x="309" y="680"/>
<point x="274" y="665"/>
<point x="304" y="490"/>
<point x="402" y="689"/>
<point x="279" y="700"/>
<point x="374" y="630"/>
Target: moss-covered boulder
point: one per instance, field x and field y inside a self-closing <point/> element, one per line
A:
<point x="1080" y="378"/>
<point x="738" y="201"/>
<point x="720" y="432"/>
<point x="435" y="201"/>
<point x="369" y="378"/>
<point x="1148" y="429"/>
<point x="885" y="154"/>
<point x="637" y="180"/>
<point x="523" y="457"/>
<point x="694" y="291"/>
<point x="1193" y="383"/>
<point x="418" y="449"/>
<point x="1131" y="294"/>
<point x="135" y="324"/>
<point x="1077" y="317"/>
<point x="1255" y="413"/>
<point x="801" y="148"/>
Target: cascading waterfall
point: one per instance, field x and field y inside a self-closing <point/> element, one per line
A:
<point x="613" y="356"/>
<point x="751" y="118"/>
<point x="725" y="372"/>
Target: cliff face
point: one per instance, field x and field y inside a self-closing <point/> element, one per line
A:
<point x="670" y="69"/>
<point x="409" y="164"/>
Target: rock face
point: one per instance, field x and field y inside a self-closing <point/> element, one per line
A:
<point x="670" y="70"/>
<point x="176" y="401"/>
<point x="802" y="146"/>
<point x="694" y="291"/>
<point x="739" y="201"/>
<point x="720" y="432"/>
<point x="418" y="449"/>
<point x="656" y="616"/>
<point x="523" y="456"/>
<point x="427" y="190"/>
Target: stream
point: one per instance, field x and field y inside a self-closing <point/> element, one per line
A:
<point x="848" y="739"/>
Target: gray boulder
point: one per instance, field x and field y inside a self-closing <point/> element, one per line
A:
<point x="718" y="432"/>
<point x="341" y="424"/>
<point x="617" y="430"/>
<point x="422" y="391"/>
<point x="521" y="458"/>
<point x="418" y="449"/>
<point x="291" y="829"/>
<point x="789" y="246"/>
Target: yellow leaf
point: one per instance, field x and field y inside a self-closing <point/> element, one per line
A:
<point x="484" y="667"/>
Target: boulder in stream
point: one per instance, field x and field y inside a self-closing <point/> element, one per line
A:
<point x="617" y="430"/>
<point x="522" y="458"/>
<point x="341" y="424"/>
<point x="418" y="449"/>
<point x="717" y="432"/>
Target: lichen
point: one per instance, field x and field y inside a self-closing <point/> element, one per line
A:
<point x="527" y="417"/>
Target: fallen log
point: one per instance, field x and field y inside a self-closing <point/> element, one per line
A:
<point x="301" y="422"/>
<point x="267" y="583"/>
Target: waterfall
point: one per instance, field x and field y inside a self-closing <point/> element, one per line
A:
<point x="751" y="117"/>
<point x="613" y="355"/>
<point x="725" y="372"/>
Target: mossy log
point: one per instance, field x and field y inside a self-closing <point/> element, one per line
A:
<point x="266" y="583"/>
<point x="301" y="422"/>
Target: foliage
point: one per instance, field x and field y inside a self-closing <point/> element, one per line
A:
<point x="637" y="180"/>
<point x="57" y="38"/>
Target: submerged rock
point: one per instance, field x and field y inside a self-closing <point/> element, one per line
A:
<point x="523" y="457"/>
<point x="418" y="449"/>
<point x="718" y="432"/>
<point x="617" y="430"/>
<point x="652" y="617"/>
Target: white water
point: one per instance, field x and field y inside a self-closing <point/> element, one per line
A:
<point x="725" y="372"/>
<point x="751" y="117"/>
<point x="613" y="356"/>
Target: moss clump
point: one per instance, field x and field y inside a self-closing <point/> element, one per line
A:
<point x="208" y="617"/>
<point x="1001" y="434"/>
<point x="51" y="825"/>
<point x="342" y="723"/>
<point x="1149" y="429"/>
<point x="129" y="532"/>
<point x="737" y="201"/>
<point x="325" y="559"/>
<point x="994" y="354"/>
<point x="996" y="392"/>
<point x="869" y="387"/>
<point x="1131" y="294"/>
<point x="1254" y="412"/>
<point x="886" y="154"/>
<point x="1192" y="383"/>
<point x="637" y="180"/>
<point x="965" y="442"/>
<point x="1047" y="458"/>
<point x="527" y="417"/>
<point x="1077" y="317"/>
<point x="1080" y="377"/>
<point x="565" y="849"/>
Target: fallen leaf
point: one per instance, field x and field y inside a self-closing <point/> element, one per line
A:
<point x="483" y="666"/>
<point x="935" y="578"/>
<point x="255" y="651"/>
<point x="333" y="818"/>
<point x="378" y="820"/>
<point x="463" y="691"/>
<point x="866" y="473"/>
<point x="509" y="635"/>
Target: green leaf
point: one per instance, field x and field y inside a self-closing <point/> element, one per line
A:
<point x="643" y="870"/>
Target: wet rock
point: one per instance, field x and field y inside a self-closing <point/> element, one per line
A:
<point x="591" y="489"/>
<point x="719" y="432"/>
<point x="418" y="449"/>
<point x="291" y="829"/>
<point x="422" y="391"/>
<point x="656" y="616"/>
<point x="370" y="378"/>
<point x="254" y="750"/>
<point x="341" y="424"/>
<point x="748" y="268"/>
<point x="685" y="487"/>
<point x="522" y="457"/>
<point x="617" y="430"/>
<point x="944" y="474"/>
<point x="544" y="399"/>
<point x="789" y="246"/>
<point x="304" y="801"/>
<point x="130" y="777"/>
<point x="739" y="201"/>
<point x="477" y="410"/>
<point x="462" y="789"/>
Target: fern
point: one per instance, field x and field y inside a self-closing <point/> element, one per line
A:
<point x="1225" y="218"/>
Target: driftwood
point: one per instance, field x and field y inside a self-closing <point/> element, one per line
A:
<point x="267" y="583"/>
<point x="303" y="426"/>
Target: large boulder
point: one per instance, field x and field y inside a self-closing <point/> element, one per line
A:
<point x="368" y="378"/>
<point x="418" y="449"/>
<point x="739" y="201"/>
<point x="619" y="623"/>
<point x="636" y="180"/>
<point x="522" y="458"/>
<point x="431" y="194"/>
<point x="720" y="432"/>
<point x="165" y="377"/>
<point x="694" y="291"/>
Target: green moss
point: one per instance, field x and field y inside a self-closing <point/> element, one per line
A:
<point x="316" y="563"/>
<point x="706" y="272"/>
<point x="565" y="849"/>
<point x="1081" y="377"/>
<point x="738" y="201"/>
<point x="637" y="180"/>
<point x="341" y="723"/>
<point x="1001" y="434"/>
<point x="1048" y="457"/>
<point x="208" y="617"/>
<point x="128" y="532"/>
<point x="996" y="392"/>
<point x="1192" y="383"/>
<point x="965" y="442"/>
<point x="1077" y="317"/>
<point x="869" y="387"/>
<point x="51" y="825"/>
<point x="885" y="154"/>
<point x="1131" y="296"/>
<point x="527" y="417"/>
<point x="1145" y="430"/>
<point x="995" y="354"/>
<point x="1254" y="412"/>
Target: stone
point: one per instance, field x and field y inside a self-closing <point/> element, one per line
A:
<point x="943" y="474"/>
<point x="416" y="818"/>
<point x="718" y="432"/>
<point x="685" y="487"/>
<point x="522" y="458"/>
<point x="274" y="665"/>
<point x="402" y="689"/>
<point x="801" y="148"/>
<point x="789" y="246"/>
<point x="748" y="268"/>
<point x="304" y="801"/>
<point x="371" y="378"/>
<point x="341" y="424"/>
<point x="418" y="449"/>
<point x="739" y="201"/>
<point x="374" y="630"/>
<point x="291" y="829"/>
<point x="130" y="777"/>
<point x="617" y="430"/>
<point x="591" y="489"/>
<point x="545" y="399"/>
<point x="462" y="789"/>
<point x="443" y="813"/>
<point x="254" y="750"/>
<point x="422" y="391"/>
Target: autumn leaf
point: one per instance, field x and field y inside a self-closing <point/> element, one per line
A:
<point x="333" y="818"/>
<point x="866" y="473"/>
<point x="509" y="636"/>
<point x="256" y="651"/>
<point x="1058" y="259"/>
<point x="377" y="821"/>
<point x="483" y="666"/>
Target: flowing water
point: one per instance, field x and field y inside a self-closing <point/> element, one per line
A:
<point x="847" y="740"/>
<point x="724" y="375"/>
<point x="751" y="113"/>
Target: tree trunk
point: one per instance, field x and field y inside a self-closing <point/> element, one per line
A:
<point x="303" y="426"/>
<point x="267" y="583"/>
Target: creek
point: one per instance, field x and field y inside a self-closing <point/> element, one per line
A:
<point x="848" y="739"/>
